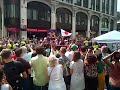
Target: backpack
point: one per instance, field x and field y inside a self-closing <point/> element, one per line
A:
<point x="13" y="75"/>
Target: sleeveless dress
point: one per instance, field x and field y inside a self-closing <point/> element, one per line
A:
<point x="56" y="81"/>
<point x="5" y="87"/>
<point x="77" y="79"/>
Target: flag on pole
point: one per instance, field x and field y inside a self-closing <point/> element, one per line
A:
<point x="65" y="33"/>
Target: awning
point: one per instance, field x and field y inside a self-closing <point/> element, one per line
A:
<point x="13" y="30"/>
<point x="36" y="30"/>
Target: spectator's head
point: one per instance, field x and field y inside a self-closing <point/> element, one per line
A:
<point x="99" y="57"/>
<point x="116" y="56"/>
<point x="74" y="47"/>
<point x="76" y="56"/>
<point x="18" y="52"/>
<point x="91" y="59"/>
<point x="62" y="50"/>
<point x="104" y="49"/>
<point x="83" y="49"/>
<point x="24" y="49"/>
<point x="40" y="50"/>
<point x="6" y="54"/>
<point x="1" y="48"/>
<point x="58" y="55"/>
<point x="52" y="60"/>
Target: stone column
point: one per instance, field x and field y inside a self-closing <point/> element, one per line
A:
<point x="109" y="7"/>
<point x="53" y="14"/>
<point x="89" y="4"/>
<point x="100" y="24"/>
<point x="115" y="8"/>
<point x="2" y="12"/>
<point x="100" y="5"/>
<point x="74" y="22"/>
<point x="109" y="21"/>
<point x="115" y="24"/>
<point x="23" y="19"/>
<point x="88" y="27"/>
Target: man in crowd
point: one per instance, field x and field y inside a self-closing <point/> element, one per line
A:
<point x="39" y="66"/>
<point x="65" y="61"/>
<point x="13" y="70"/>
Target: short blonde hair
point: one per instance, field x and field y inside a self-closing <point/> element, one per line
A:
<point x="52" y="58"/>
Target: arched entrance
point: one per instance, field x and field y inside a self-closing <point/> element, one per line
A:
<point x="64" y="19"/>
<point x="105" y="26"/>
<point x="81" y="23"/>
<point x="94" y="25"/>
<point x="38" y="19"/>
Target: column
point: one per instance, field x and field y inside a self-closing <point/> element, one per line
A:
<point x="109" y="21"/>
<point x="88" y="26"/>
<point x="95" y="5"/>
<point x="100" y="24"/>
<point x="100" y="5"/>
<point x="115" y="8"/>
<point x="82" y="3"/>
<point x="109" y="7"/>
<point x="89" y="4"/>
<point x="2" y="12"/>
<point x="115" y="24"/>
<point x="23" y="19"/>
<point x="53" y="14"/>
<point x="74" y="22"/>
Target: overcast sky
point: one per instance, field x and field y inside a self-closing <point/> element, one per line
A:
<point x="118" y="5"/>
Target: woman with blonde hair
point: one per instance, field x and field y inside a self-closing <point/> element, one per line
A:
<point x="55" y="72"/>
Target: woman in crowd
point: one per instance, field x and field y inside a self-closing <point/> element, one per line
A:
<point x="3" y="83"/>
<point x="101" y="72"/>
<point x="55" y="72"/>
<point x="91" y="80"/>
<point x="77" y="71"/>
<point x="114" y="79"/>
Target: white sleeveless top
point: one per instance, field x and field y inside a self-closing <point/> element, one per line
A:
<point x="5" y="87"/>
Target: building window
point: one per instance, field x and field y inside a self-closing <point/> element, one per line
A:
<point x="107" y="6"/>
<point x="35" y="15"/>
<point x="97" y="5"/>
<point x="93" y="4"/>
<point x="69" y="1"/>
<point x="79" y="2"/>
<point x="12" y="11"/>
<point x="104" y="23"/>
<point x="85" y="3"/>
<point x="103" y="6"/>
<point x="29" y="14"/>
<point x="112" y="7"/>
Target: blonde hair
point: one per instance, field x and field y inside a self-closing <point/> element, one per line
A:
<point x="52" y="58"/>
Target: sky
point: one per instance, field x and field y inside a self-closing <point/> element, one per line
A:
<point x="118" y="5"/>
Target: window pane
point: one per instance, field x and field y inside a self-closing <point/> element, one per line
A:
<point x="85" y="3"/>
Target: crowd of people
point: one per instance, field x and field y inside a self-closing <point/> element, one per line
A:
<point x="58" y="64"/>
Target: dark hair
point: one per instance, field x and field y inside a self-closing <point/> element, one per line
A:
<point x="83" y="49"/>
<point x="91" y="59"/>
<point x="40" y="50"/>
<point x="58" y="55"/>
<point x="1" y="75"/>
<point x="76" y="56"/>
<point x="18" y="52"/>
<point x="1" y="48"/>
<point x="116" y="55"/>
<point x="63" y="50"/>
<point x="5" y="54"/>
<point x="99" y="56"/>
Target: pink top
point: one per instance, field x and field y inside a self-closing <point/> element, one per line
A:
<point x="115" y="75"/>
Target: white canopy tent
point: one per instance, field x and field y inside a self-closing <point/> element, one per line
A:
<point x="110" y="37"/>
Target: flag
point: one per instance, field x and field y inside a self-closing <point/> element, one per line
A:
<point x="65" y="33"/>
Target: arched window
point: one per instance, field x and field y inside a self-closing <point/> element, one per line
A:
<point x="105" y="23"/>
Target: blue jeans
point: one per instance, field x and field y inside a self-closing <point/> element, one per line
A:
<point x="26" y="84"/>
<point x="41" y="87"/>
<point x="114" y="88"/>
